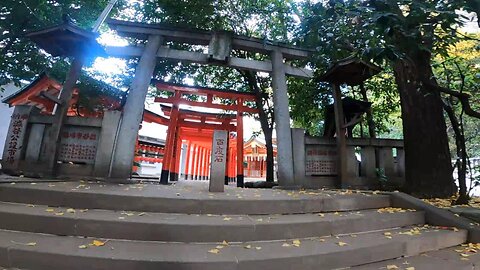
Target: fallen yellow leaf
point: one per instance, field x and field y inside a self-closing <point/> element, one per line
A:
<point x="31" y="244"/>
<point x="285" y="245"/>
<point x="296" y="243"/>
<point x="410" y="268"/>
<point x="214" y="251"/>
<point x="50" y="210"/>
<point x="227" y="218"/>
<point x="98" y="243"/>
<point x="82" y="246"/>
<point x="225" y="243"/>
<point x="342" y="244"/>
<point x="71" y="210"/>
<point x="392" y="266"/>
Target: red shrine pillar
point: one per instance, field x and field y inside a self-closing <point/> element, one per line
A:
<point x="239" y="143"/>
<point x="228" y="168"/>
<point x="232" y="164"/>
<point x="187" y="160"/>
<point x="175" y="169"/>
<point x="262" y="167"/>
<point x="169" y="144"/>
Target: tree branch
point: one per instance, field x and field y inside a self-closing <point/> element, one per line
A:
<point x="462" y="97"/>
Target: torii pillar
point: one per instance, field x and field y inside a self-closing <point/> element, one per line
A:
<point x="133" y="110"/>
<point x="282" y="121"/>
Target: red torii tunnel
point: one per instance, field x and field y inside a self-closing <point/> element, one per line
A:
<point x="196" y="129"/>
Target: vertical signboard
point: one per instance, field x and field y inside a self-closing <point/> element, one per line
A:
<point x="219" y="161"/>
<point x="15" y="141"/>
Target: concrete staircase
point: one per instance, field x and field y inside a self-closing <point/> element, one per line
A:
<point x="99" y="226"/>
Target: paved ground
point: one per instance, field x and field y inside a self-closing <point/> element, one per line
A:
<point x="38" y="202"/>
<point x="186" y="189"/>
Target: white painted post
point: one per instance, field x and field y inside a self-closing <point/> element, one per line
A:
<point x="133" y="110"/>
<point x="282" y="121"/>
<point x="219" y="161"/>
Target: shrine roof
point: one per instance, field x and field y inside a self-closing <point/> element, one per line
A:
<point x="351" y="71"/>
<point x="66" y="39"/>
<point x="26" y="88"/>
<point x="258" y="140"/>
<point x="151" y="140"/>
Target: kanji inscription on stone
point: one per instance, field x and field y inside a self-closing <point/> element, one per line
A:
<point x="219" y="161"/>
<point x="320" y="160"/>
<point x="79" y="144"/>
<point x="15" y="138"/>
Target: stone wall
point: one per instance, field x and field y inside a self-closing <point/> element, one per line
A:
<point x="85" y="148"/>
<point x="315" y="161"/>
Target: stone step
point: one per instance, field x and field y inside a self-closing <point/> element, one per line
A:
<point x="195" y="228"/>
<point x="42" y="251"/>
<point x="457" y="258"/>
<point x="187" y="199"/>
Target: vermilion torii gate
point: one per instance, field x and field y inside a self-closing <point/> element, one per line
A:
<point x="197" y="128"/>
<point x="220" y="45"/>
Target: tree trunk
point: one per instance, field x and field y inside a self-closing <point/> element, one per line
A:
<point x="263" y="117"/>
<point x="370" y="122"/>
<point x="270" y="157"/>
<point x="461" y="155"/>
<point x="427" y="157"/>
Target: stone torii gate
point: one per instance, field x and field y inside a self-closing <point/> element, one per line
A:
<point x="220" y="45"/>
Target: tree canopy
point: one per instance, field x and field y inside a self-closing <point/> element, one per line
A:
<point x="430" y="65"/>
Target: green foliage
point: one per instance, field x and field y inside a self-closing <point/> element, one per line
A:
<point x="460" y="71"/>
<point x="92" y="92"/>
<point x="20" y="59"/>
<point x="336" y="30"/>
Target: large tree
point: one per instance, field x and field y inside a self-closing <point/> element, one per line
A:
<point x="405" y="35"/>
<point x="415" y="31"/>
